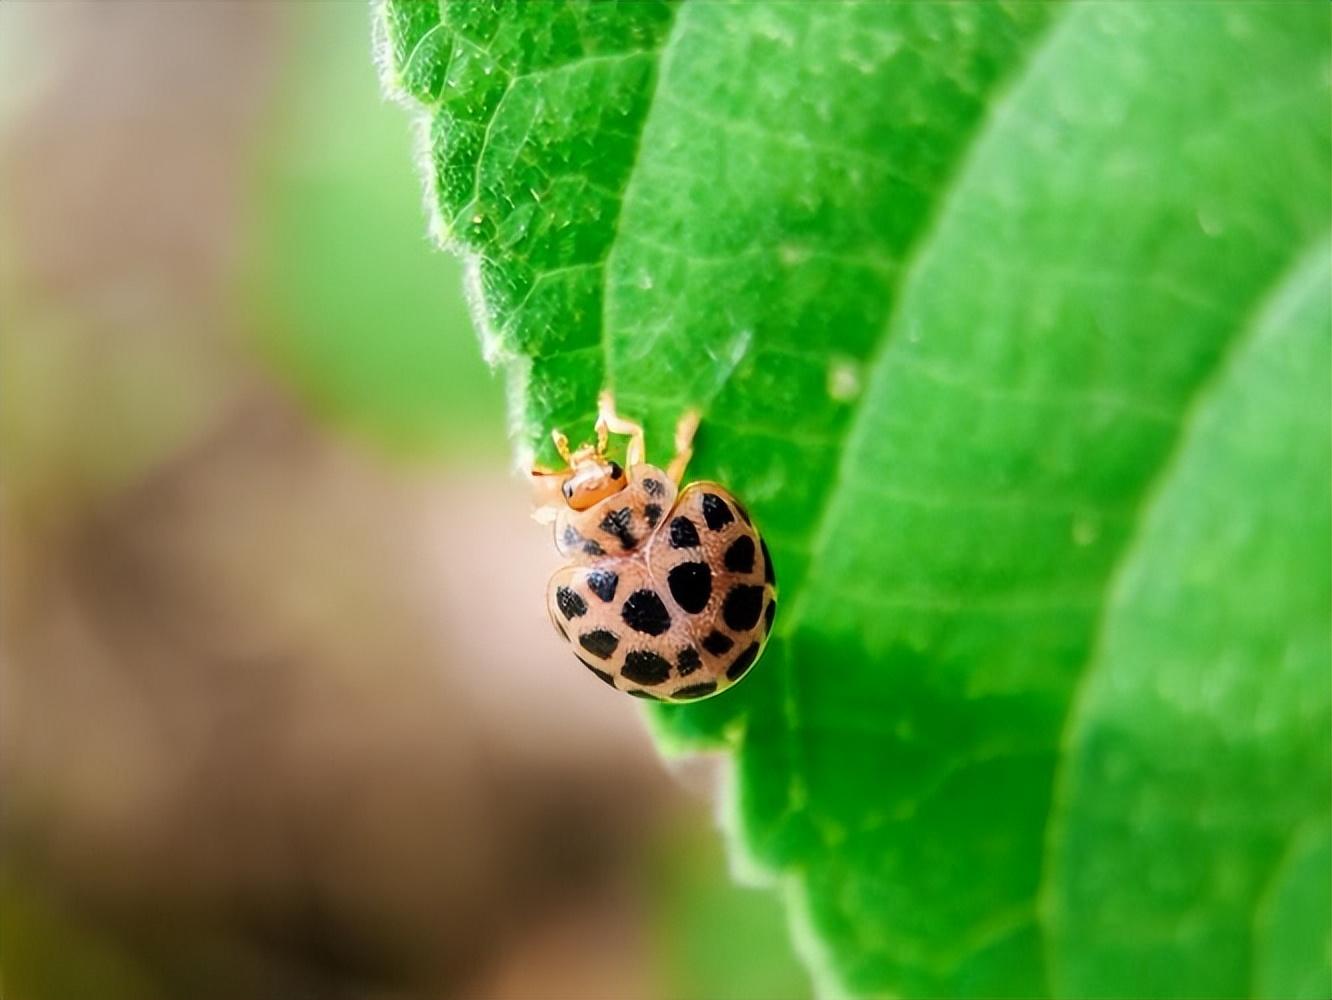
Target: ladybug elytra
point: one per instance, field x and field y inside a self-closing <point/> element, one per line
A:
<point x="670" y="593"/>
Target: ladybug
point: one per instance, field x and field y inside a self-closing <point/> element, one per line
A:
<point x="669" y="594"/>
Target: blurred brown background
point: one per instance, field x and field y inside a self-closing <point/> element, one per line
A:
<point x="281" y="713"/>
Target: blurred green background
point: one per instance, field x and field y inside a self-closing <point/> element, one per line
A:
<point x="260" y="737"/>
<point x="355" y="307"/>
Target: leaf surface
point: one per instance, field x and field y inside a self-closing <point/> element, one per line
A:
<point x="1010" y="324"/>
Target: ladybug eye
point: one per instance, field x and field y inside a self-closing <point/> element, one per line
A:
<point x="568" y="491"/>
<point x="616" y="471"/>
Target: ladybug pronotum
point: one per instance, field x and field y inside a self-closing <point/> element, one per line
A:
<point x="670" y="593"/>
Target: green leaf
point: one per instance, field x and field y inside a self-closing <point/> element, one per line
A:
<point x="1010" y="324"/>
<point x="1293" y="946"/>
<point x="1198" y="749"/>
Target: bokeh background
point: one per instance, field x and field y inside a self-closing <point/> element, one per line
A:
<point x="281" y="712"/>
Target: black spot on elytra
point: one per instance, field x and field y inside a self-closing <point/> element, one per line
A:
<point x="768" y="615"/>
<point x="644" y="612"/>
<point x="617" y="523"/>
<point x="571" y="539"/>
<point x="696" y="690"/>
<point x="768" y="574"/>
<point x="600" y="673"/>
<point x="691" y="585"/>
<point x="603" y="582"/>
<point x="716" y="643"/>
<point x="654" y="487"/>
<point x="739" y="557"/>
<point x="715" y="512"/>
<point x="688" y="661"/>
<point x="743" y="662"/>
<point x="570" y="604"/>
<point x="683" y="534"/>
<point x="741" y="609"/>
<point x="599" y="642"/>
<point x="645" y="667"/>
<point x="648" y="695"/>
<point x="652" y="512"/>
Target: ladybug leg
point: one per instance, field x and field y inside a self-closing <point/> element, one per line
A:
<point x="561" y="445"/>
<point x="684" y="445"/>
<point x="610" y="422"/>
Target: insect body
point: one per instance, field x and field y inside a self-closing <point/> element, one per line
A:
<point x="670" y="593"/>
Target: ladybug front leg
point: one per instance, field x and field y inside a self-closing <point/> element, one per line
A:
<point x="684" y="445"/>
<point x="609" y="420"/>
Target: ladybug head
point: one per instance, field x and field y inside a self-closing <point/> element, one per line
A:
<point x="592" y="480"/>
<point x="591" y="476"/>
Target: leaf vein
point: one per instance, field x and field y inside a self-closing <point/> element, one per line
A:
<point x="915" y="255"/>
<point x="1111" y="592"/>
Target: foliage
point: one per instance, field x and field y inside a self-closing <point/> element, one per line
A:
<point x="1010" y="323"/>
<point x="351" y="306"/>
<point x="714" y="939"/>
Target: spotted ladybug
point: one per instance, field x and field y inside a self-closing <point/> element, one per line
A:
<point x="670" y="593"/>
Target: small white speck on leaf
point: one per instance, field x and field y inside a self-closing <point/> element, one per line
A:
<point x="905" y="810"/>
<point x="1086" y="530"/>
<point x="644" y="280"/>
<point x="1209" y="223"/>
<point x="739" y="346"/>
<point x="1238" y="24"/>
<point x="797" y="794"/>
<point x="844" y="382"/>
<point x="730" y="354"/>
<point x="790" y="254"/>
<point x="833" y="834"/>
<point x="1163" y="877"/>
<point x="777" y="32"/>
